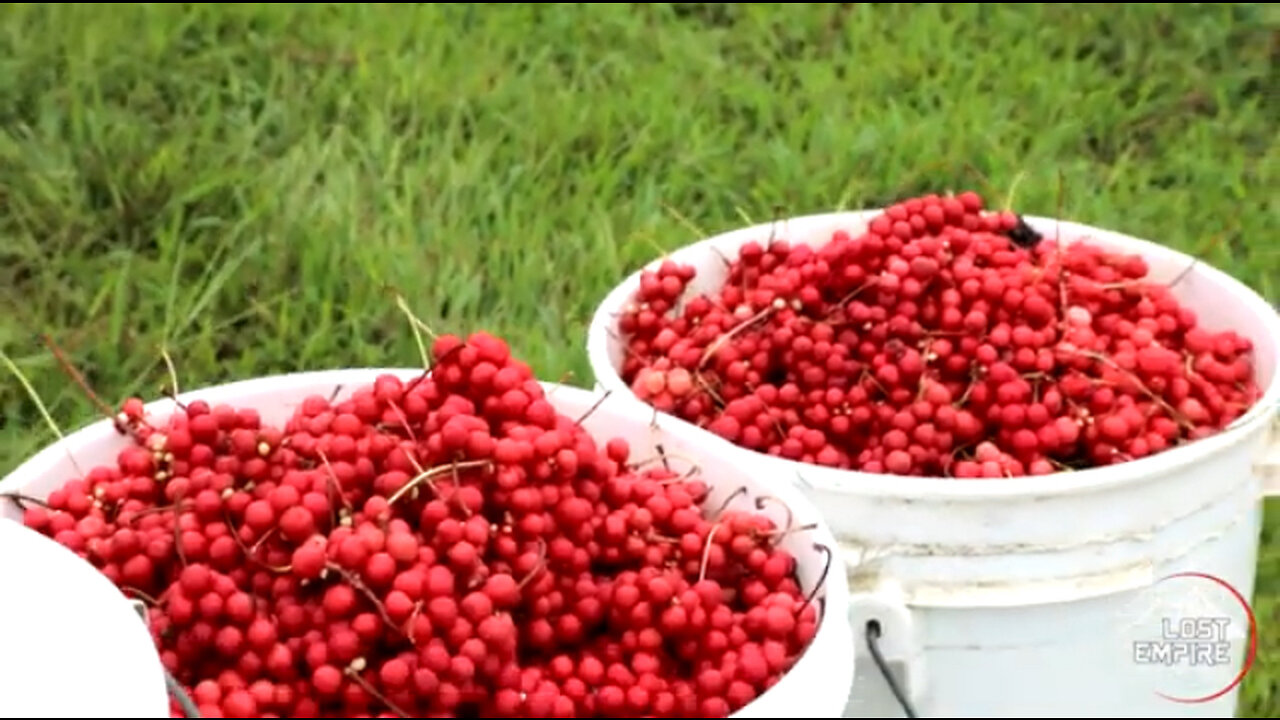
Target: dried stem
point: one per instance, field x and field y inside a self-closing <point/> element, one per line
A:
<point x="706" y="387"/>
<point x="664" y="458"/>
<point x="853" y="294"/>
<point x="426" y="475"/>
<point x="822" y="579"/>
<point x="1173" y="412"/>
<point x="257" y="545"/>
<point x="151" y="511"/>
<point x="177" y="534"/>
<point x="369" y="688"/>
<point x="742" y="490"/>
<point x="335" y="488"/>
<point x="780" y="535"/>
<point x="725" y="337"/>
<point x="595" y="406"/>
<point x="248" y="553"/>
<point x="457" y="483"/>
<point x="358" y="584"/>
<point x="662" y="453"/>
<point x="404" y="421"/>
<point x="1185" y="272"/>
<point x="149" y="600"/>
<point x="19" y="499"/>
<point x="541" y="565"/>
<point x="723" y="258"/>
<point x="706" y="553"/>
<point x="767" y="499"/>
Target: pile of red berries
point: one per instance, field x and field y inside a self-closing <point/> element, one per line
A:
<point x="944" y="341"/>
<point x="449" y="546"/>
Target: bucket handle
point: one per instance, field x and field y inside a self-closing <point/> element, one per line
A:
<point x="886" y="640"/>
<point x="179" y="695"/>
<point x="1268" y="468"/>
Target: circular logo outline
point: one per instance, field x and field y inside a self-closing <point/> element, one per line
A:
<point x="1251" y="654"/>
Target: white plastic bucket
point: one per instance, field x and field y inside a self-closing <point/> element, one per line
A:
<point x="1017" y="597"/>
<point x="818" y="684"/>
<point x="71" y="644"/>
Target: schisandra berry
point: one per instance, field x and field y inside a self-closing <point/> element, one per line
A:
<point x="446" y="546"/>
<point x="940" y="327"/>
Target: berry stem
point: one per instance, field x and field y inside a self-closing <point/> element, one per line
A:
<point x="662" y="453"/>
<point x="1185" y="272"/>
<point x="148" y="599"/>
<point x="822" y="579"/>
<point x="331" y="482"/>
<point x="723" y="258"/>
<point x="779" y="535"/>
<point x="19" y="499"/>
<point x="177" y="536"/>
<point x="404" y="421"/>
<point x="851" y="295"/>
<point x="426" y="475"/>
<point x="538" y="567"/>
<point x="694" y="468"/>
<point x="248" y="554"/>
<point x="732" y="332"/>
<point x="356" y="583"/>
<point x="706" y="386"/>
<point x="595" y="406"/>
<point x="769" y="499"/>
<point x="369" y="688"/>
<point x="742" y="490"/>
<point x="706" y="552"/>
<point x="1137" y="381"/>
<point x="257" y="545"/>
<point x="176" y="507"/>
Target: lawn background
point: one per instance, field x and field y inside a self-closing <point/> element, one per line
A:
<point x="241" y="183"/>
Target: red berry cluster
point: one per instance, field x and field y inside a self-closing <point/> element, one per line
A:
<point x="944" y="341"/>
<point x="449" y="546"/>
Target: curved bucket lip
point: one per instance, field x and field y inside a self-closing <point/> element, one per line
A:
<point x="603" y="323"/>
<point x="833" y="630"/>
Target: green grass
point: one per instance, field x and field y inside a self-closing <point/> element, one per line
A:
<point x="243" y="183"/>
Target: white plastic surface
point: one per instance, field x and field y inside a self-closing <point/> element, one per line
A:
<point x="1268" y="468"/>
<point x="71" y="644"/>
<point x="818" y="685"/>
<point x="1001" y="575"/>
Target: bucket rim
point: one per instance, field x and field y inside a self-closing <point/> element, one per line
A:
<point x="603" y="326"/>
